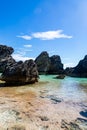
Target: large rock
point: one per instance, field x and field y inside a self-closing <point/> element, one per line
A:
<point x="21" y="72"/>
<point x="49" y="65"/>
<point x="80" y="70"/>
<point x="43" y="62"/>
<point x="5" y="51"/>
<point x="5" y="62"/>
<point x="16" y="72"/>
<point x="5" y="57"/>
<point x="56" y="67"/>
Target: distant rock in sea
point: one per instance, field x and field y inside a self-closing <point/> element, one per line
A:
<point x="80" y="70"/>
<point x="16" y="72"/>
<point x="49" y="65"/>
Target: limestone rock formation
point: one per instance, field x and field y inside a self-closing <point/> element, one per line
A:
<point x="5" y="51"/>
<point x="80" y="70"/>
<point x="49" y="65"/>
<point x="16" y="72"/>
<point x="56" y="67"/>
<point x="5" y="57"/>
<point x="43" y="62"/>
<point x="21" y="72"/>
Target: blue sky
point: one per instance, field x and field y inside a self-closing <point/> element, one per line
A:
<point x="56" y="26"/>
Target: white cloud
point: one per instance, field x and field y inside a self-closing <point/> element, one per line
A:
<point x="28" y="46"/>
<point x="49" y="35"/>
<point x="69" y="65"/>
<point x="19" y="57"/>
<point x="26" y="37"/>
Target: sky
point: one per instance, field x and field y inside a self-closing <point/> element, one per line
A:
<point x="56" y="26"/>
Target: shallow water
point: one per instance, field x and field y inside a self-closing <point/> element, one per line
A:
<point x="27" y="105"/>
<point x="74" y="89"/>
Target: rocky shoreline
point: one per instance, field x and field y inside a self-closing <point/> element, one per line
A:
<point x="28" y="72"/>
<point x="16" y="72"/>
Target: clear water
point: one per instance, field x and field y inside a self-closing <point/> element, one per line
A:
<point x="69" y="88"/>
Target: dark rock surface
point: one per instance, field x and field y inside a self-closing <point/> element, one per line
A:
<point x="56" y="67"/>
<point x="43" y="62"/>
<point x="5" y="62"/>
<point x="16" y="72"/>
<point x="80" y="70"/>
<point x="84" y="113"/>
<point x="49" y="65"/>
<point x="61" y="76"/>
<point x="5" y="57"/>
<point x="5" y="51"/>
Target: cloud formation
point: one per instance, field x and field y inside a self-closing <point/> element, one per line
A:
<point x="21" y="53"/>
<point x="69" y="64"/>
<point x="28" y="46"/>
<point x="48" y="35"/>
<point x="26" y="37"/>
<point x="19" y="57"/>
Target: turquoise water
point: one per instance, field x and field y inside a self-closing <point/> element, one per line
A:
<point x="74" y="89"/>
<point x="69" y="89"/>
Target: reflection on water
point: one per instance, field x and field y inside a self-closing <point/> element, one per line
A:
<point x="74" y="89"/>
<point x="52" y="99"/>
<point x="68" y="88"/>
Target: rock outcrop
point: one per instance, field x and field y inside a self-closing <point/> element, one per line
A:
<point x="56" y="67"/>
<point x="43" y="62"/>
<point x="49" y="65"/>
<point x="80" y="70"/>
<point x="5" y="51"/>
<point x="16" y="72"/>
<point x="5" y="57"/>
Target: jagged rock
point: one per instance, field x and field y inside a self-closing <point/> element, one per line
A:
<point x="5" y="57"/>
<point x="43" y="62"/>
<point x="49" y="65"/>
<point x="17" y="72"/>
<point x="20" y="72"/>
<point x="5" y="51"/>
<point x="5" y="62"/>
<point x="80" y="70"/>
<point x="56" y="67"/>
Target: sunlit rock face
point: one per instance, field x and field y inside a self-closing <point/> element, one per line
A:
<point x="16" y="72"/>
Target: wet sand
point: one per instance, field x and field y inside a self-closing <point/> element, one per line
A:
<point x="34" y="108"/>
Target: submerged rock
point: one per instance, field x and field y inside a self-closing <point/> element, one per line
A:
<point x="17" y="72"/>
<point x="61" y="76"/>
<point x="83" y="113"/>
<point x="49" y="65"/>
<point x="70" y="126"/>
